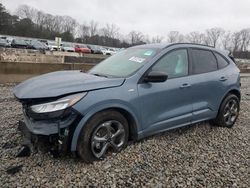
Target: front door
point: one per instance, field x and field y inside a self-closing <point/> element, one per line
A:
<point x="168" y="104"/>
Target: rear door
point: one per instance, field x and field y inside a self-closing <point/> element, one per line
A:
<point x="208" y="84"/>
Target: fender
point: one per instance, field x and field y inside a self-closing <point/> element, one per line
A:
<point x="230" y="89"/>
<point x="94" y="110"/>
<point x="223" y="97"/>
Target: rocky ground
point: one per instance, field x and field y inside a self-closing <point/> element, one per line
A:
<point x="195" y="156"/>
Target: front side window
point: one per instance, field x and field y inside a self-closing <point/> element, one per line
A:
<point x="203" y="61"/>
<point x="124" y="63"/>
<point x="174" y="64"/>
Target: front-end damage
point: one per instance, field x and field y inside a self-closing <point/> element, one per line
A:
<point x="52" y="131"/>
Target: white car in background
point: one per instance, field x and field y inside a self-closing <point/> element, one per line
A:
<point x="108" y="51"/>
<point x="67" y="47"/>
<point x="53" y="46"/>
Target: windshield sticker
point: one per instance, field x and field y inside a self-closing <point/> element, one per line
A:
<point x="148" y="53"/>
<point x="137" y="59"/>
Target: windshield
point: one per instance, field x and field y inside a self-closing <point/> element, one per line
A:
<point x="124" y="63"/>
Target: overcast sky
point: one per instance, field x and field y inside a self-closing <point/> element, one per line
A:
<point x="153" y="17"/>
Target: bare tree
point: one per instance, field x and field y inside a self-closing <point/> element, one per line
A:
<point x="195" y="37"/>
<point x="157" y="39"/>
<point x="135" y="37"/>
<point x="57" y="24"/>
<point x="226" y="41"/>
<point x="84" y="30"/>
<point x="213" y="35"/>
<point x="245" y="39"/>
<point x="24" y="11"/>
<point x="41" y="19"/>
<point x="69" y="24"/>
<point x="110" y="30"/>
<point x="175" y="36"/>
<point x="236" y="41"/>
<point x="93" y="26"/>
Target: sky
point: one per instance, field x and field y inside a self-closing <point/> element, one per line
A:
<point x="152" y="17"/>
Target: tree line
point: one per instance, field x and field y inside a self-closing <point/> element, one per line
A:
<point x="30" y="22"/>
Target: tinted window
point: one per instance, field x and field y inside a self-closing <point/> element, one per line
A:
<point x="203" y="61"/>
<point x="174" y="64"/>
<point x="221" y="61"/>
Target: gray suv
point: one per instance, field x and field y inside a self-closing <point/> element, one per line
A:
<point x="138" y="92"/>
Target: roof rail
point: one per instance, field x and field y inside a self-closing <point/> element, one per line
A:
<point x="172" y="44"/>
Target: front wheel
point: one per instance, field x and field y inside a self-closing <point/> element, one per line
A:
<point x="107" y="131"/>
<point x="228" y="112"/>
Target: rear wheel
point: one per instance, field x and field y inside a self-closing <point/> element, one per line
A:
<point x="228" y="112"/>
<point x="105" y="132"/>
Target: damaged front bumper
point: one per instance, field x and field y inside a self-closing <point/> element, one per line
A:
<point x="53" y="134"/>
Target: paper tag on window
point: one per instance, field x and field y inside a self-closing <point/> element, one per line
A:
<point x="137" y="59"/>
<point x="148" y="53"/>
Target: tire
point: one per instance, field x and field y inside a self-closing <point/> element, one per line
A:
<point x="105" y="131"/>
<point x="228" y="115"/>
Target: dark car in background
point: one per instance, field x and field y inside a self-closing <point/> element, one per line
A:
<point x="37" y="45"/>
<point x="94" y="49"/>
<point x="19" y="43"/>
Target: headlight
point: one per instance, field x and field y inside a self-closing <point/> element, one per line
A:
<point x="57" y="105"/>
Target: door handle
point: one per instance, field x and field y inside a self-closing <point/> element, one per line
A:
<point x="223" y="78"/>
<point x="185" y="85"/>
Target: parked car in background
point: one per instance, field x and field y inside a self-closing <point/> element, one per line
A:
<point x="95" y="49"/>
<point x="37" y="45"/>
<point x="138" y="92"/>
<point x="4" y="43"/>
<point x="108" y="51"/>
<point x="67" y="47"/>
<point x="53" y="46"/>
<point x="43" y="41"/>
<point x="19" y="43"/>
<point x="81" y="48"/>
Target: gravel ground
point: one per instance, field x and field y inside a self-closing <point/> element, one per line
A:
<point x="195" y="156"/>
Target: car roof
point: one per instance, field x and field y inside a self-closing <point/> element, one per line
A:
<point x="166" y="45"/>
<point x="162" y="46"/>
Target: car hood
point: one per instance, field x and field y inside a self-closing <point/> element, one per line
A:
<point x="61" y="83"/>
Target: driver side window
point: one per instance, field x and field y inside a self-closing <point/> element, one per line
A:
<point x="174" y="64"/>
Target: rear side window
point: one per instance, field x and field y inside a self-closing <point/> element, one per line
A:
<point x="221" y="61"/>
<point x="203" y="61"/>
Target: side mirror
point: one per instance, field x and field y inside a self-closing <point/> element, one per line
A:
<point x="156" y="76"/>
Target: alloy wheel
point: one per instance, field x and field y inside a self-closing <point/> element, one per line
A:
<point x="231" y="112"/>
<point x="110" y="134"/>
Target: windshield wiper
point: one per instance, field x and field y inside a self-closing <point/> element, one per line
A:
<point x="101" y="75"/>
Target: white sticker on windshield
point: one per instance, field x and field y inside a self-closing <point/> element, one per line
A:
<point x="148" y="53"/>
<point x="137" y="59"/>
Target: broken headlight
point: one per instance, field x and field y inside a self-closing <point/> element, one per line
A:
<point x="57" y="105"/>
